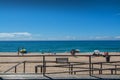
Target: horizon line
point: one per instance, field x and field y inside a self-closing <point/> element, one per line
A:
<point x="59" y="40"/>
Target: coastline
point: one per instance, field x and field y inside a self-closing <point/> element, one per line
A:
<point x="65" y="53"/>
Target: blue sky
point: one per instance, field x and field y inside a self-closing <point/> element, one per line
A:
<point x="59" y="19"/>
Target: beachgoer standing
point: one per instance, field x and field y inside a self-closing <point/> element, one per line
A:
<point x="107" y="56"/>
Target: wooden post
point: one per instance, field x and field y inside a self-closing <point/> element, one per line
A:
<point x="100" y="68"/>
<point x="71" y="69"/>
<point x="92" y="68"/>
<point x="111" y="71"/>
<point x="24" y="67"/>
<point x="41" y="69"/>
<point x="90" y="65"/>
<point x="35" y="69"/>
<point x="15" y="69"/>
<point x="44" y="65"/>
<point x="115" y="69"/>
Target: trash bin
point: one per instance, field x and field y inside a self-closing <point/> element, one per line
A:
<point x="107" y="58"/>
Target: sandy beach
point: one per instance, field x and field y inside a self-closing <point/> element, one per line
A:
<point x="35" y="60"/>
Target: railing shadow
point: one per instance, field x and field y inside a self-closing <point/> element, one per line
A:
<point x="1" y="78"/>
<point x="96" y="77"/>
<point x="48" y="77"/>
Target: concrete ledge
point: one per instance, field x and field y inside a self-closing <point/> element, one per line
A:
<point x="55" y="76"/>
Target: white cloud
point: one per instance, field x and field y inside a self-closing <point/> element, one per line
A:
<point x="6" y="35"/>
<point x="21" y="34"/>
<point x="102" y="37"/>
<point x="117" y="37"/>
<point x="29" y="36"/>
<point x="69" y="38"/>
<point x="15" y="35"/>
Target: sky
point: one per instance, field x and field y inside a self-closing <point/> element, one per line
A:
<point x="59" y="19"/>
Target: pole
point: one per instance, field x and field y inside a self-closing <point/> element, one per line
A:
<point x="15" y="69"/>
<point x="92" y="68"/>
<point x="100" y="68"/>
<point x="24" y="67"/>
<point x="90" y="65"/>
<point x="44" y="65"/>
<point x="115" y="69"/>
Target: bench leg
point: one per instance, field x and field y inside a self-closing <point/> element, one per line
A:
<point x="115" y="71"/>
<point x="41" y="69"/>
<point x="111" y="71"/>
<point x="35" y="69"/>
<point x="71" y="69"/>
<point x="74" y="73"/>
<point x="100" y="71"/>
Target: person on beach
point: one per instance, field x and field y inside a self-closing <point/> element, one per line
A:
<point x="107" y="56"/>
<point x="23" y="51"/>
<point x="72" y="52"/>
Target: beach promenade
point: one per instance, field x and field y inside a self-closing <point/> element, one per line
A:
<point x="57" y="76"/>
<point x="59" y="66"/>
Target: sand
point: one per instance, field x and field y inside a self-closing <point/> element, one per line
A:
<point x="30" y="67"/>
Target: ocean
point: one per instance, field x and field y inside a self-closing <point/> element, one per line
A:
<point x="60" y="46"/>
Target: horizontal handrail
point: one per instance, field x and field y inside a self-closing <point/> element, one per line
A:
<point x="19" y="62"/>
<point x="105" y="62"/>
<point x="40" y="62"/>
<point x="111" y="64"/>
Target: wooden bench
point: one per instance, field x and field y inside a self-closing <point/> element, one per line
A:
<point x="61" y="60"/>
<point x="58" y="60"/>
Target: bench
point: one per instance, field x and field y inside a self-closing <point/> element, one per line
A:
<point x="58" y="60"/>
<point x="61" y="60"/>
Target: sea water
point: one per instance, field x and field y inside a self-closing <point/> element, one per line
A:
<point x="60" y="46"/>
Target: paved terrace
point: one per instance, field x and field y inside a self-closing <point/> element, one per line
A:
<point x="55" y="76"/>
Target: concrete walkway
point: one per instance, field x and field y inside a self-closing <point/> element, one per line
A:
<point x="55" y="76"/>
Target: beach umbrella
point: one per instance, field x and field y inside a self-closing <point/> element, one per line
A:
<point x="96" y="51"/>
<point x="77" y="50"/>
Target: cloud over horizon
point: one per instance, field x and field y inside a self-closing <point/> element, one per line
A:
<point x="30" y="36"/>
<point x="15" y="35"/>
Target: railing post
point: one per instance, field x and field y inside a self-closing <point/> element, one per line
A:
<point x="100" y="68"/>
<point x="71" y="69"/>
<point x="15" y="69"/>
<point x="24" y="67"/>
<point x="90" y="65"/>
<point x="92" y="68"/>
<point x="44" y="65"/>
<point x="115" y="69"/>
